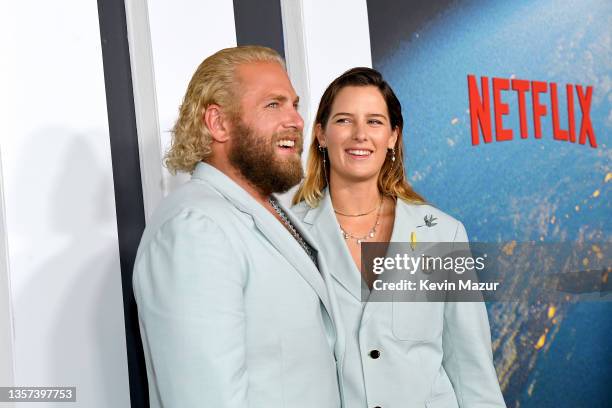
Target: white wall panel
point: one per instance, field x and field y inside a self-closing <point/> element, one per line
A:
<point x="322" y="40"/>
<point x="60" y="215"/>
<point x="145" y="103"/>
<point x="7" y="361"/>
<point x="183" y="33"/>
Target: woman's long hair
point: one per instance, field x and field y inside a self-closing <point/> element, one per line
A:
<point x="392" y="178"/>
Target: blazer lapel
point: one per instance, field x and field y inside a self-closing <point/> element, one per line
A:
<point x="406" y="222"/>
<point x="284" y="242"/>
<point x="326" y="231"/>
<point x="270" y="227"/>
<point x="324" y="270"/>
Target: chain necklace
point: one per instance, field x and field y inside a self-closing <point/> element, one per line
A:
<point x="370" y="233"/>
<point x="294" y="232"/>
<point x="356" y="215"/>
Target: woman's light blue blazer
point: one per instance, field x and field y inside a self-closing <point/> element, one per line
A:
<point x="429" y="355"/>
<point x="233" y="313"/>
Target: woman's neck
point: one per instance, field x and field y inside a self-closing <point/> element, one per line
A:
<point x="354" y="197"/>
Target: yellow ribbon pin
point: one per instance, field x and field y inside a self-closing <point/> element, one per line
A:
<point x="413" y="240"/>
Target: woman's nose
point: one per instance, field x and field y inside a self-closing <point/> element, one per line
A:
<point x="359" y="133"/>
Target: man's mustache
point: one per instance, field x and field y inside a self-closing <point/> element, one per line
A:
<point x="294" y="135"/>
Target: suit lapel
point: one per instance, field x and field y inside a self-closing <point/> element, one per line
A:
<point x="284" y="242"/>
<point x="268" y="225"/>
<point x="326" y="231"/>
<point x="332" y="306"/>
<point x="406" y="222"/>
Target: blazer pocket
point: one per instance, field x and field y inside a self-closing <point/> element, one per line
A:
<point x="417" y="321"/>
<point x="443" y="401"/>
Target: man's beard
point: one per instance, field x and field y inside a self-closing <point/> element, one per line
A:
<point x="255" y="157"/>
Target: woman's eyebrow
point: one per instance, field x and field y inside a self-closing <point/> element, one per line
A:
<point x="342" y="114"/>
<point x="367" y="114"/>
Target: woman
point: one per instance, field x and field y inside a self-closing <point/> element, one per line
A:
<point x="398" y="354"/>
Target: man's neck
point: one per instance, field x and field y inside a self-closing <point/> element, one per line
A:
<point x="234" y="174"/>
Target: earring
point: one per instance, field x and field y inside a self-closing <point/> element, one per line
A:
<point x="323" y="151"/>
<point x="393" y="155"/>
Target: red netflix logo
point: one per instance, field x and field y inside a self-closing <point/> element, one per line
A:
<point x="480" y="110"/>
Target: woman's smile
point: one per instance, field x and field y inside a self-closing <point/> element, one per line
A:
<point x="358" y="154"/>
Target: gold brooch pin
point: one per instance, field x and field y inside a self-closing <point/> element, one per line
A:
<point x="413" y="240"/>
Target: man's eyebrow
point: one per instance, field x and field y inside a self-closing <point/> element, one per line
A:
<point x="281" y="98"/>
<point x="276" y="97"/>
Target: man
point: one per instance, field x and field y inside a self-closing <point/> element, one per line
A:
<point x="232" y="299"/>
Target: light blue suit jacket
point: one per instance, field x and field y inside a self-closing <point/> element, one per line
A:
<point x="232" y="311"/>
<point x="433" y="355"/>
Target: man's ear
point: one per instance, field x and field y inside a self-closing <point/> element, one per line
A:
<point x="320" y="135"/>
<point x="216" y="121"/>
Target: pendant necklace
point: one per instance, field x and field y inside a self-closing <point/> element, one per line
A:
<point x="370" y="233"/>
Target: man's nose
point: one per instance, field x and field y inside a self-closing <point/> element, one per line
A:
<point x="294" y="119"/>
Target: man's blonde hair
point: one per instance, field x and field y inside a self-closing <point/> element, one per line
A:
<point x="214" y="82"/>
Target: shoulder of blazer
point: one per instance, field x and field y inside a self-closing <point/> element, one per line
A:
<point x="193" y="196"/>
<point x="420" y="213"/>
<point x="427" y="209"/>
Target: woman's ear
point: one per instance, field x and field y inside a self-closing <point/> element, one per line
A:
<point x="320" y="135"/>
<point x="393" y="139"/>
<point x="216" y="122"/>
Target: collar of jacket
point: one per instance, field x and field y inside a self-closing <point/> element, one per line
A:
<point x="326" y="231"/>
<point x="269" y="226"/>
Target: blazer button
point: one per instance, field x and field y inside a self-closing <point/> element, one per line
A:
<point x="375" y="354"/>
